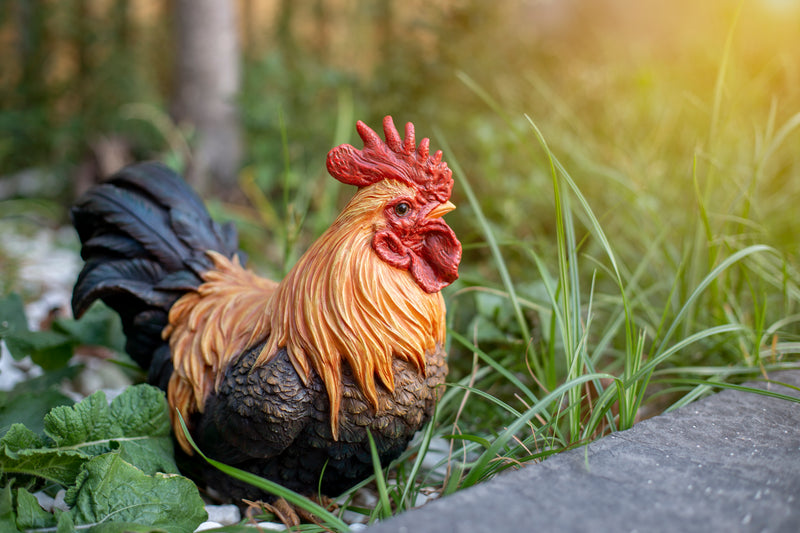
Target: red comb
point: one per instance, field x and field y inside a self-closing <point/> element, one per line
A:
<point x="397" y="158"/>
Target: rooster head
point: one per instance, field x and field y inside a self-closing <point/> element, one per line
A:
<point x="410" y="233"/>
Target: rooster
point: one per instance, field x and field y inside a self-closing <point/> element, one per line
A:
<point x="284" y="379"/>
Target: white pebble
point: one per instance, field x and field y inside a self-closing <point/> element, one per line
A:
<point x="50" y="504"/>
<point x="224" y="514"/>
<point x="207" y="525"/>
<point x="272" y="526"/>
<point x="45" y="501"/>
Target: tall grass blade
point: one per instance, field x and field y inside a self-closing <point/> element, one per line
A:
<point x="266" y="485"/>
<point x="478" y="469"/>
<point x="742" y="388"/>
<point x="380" y="481"/>
<point x="707" y="280"/>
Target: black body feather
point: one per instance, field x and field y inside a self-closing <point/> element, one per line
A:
<point x="263" y="419"/>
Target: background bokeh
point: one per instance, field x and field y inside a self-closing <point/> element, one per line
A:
<point x="629" y="94"/>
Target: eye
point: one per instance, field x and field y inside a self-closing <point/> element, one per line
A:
<point x="402" y="209"/>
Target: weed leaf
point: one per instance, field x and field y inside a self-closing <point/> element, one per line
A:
<point x="23" y="455"/>
<point x="111" y="490"/>
<point x="135" y="423"/>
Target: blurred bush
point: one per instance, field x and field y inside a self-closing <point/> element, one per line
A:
<point x="640" y="101"/>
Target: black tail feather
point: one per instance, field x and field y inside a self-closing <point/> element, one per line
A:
<point x="135" y="277"/>
<point x="145" y="235"/>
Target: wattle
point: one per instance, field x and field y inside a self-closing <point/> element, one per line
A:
<point x="431" y="254"/>
<point x="434" y="263"/>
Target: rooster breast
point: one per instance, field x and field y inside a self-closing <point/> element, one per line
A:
<point x="265" y="420"/>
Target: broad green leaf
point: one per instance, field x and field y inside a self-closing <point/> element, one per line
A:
<point x="142" y="414"/>
<point x="8" y="520"/>
<point x="48" y="349"/>
<point x="52" y="465"/>
<point x="19" y="438"/>
<point x="22" y="454"/>
<point x="128" y="527"/>
<point x="65" y="523"/>
<point x="30" y="514"/>
<point x="53" y="356"/>
<point x="85" y="426"/>
<point x="30" y="400"/>
<point x="136" y="423"/>
<point x="111" y="490"/>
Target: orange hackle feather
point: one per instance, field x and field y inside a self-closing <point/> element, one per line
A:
<point x="340" y="302"/>
<point x="210" y="326"/>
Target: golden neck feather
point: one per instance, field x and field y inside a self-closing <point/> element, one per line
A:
<point x="340" y="301"/>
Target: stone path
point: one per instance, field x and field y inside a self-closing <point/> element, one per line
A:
<point x="728" y="463"/>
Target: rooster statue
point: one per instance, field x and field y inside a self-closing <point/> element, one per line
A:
<point x="284" y="379"/>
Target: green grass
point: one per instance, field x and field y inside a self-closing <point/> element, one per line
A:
<point x="600" y="329"/>
<point x="641" y="297"/>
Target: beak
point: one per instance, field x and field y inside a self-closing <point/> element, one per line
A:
<point x="441" y="210"/>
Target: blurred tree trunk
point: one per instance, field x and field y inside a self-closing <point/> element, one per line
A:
<point x="207" y="80"/>
<point x="31" y="47"/>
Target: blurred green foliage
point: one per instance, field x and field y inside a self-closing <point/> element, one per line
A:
<point x="70" y="69"/>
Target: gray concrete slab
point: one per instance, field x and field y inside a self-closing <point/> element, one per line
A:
<point x="730" y="462"/>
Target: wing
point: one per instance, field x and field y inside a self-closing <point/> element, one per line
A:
<point x="208" y="328"/>
<point x="258" y="410"/>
